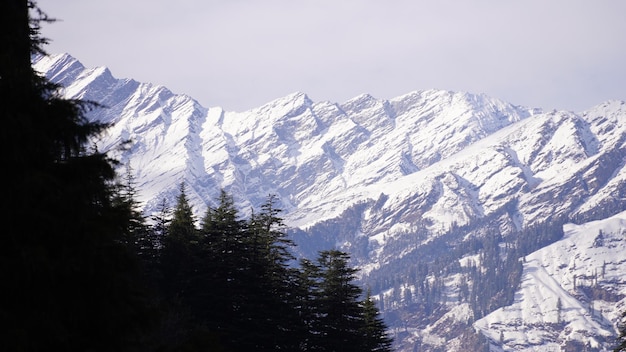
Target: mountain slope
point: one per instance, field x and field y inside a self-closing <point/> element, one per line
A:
<point x="569" y="293"/>
<point x="420" y="188"/>
<point x="286" y="146"/>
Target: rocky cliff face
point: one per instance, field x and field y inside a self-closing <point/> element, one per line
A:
<point x="415" y="188"/>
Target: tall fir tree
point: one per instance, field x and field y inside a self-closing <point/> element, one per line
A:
<point x="225" y="269"/>
<point x="305" y="302"/>
<point x="271" y="316"/>
<point x="331" y="312"/>
<point x="137" y="234"/>
<point x="70" y="279"/>
<point x="180" y="246"/>
<point x="339" y="319"/>
<point x="374" y="329"/>
<point x="160" y="223"/>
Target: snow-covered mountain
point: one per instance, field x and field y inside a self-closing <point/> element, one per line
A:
<point x="415" y="188"/>
<point x="549" y="311"/>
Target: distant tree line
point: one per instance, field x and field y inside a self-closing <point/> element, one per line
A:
<point x="82" y="270"/>
<point x="486" y="279"/>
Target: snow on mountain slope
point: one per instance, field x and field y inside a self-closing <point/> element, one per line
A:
<point x="382" y="179"/>
<point x="573" y="292"/>
<point x="303" y="151"/>
<point x="163" y="127"/>
<point x="534" y="169"/>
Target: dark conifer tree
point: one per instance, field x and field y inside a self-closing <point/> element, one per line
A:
<point x="374" y="332"/>
<point x="162" y="219"/>
<point x="137" y="234"/>
<point x="332" y="316"/>
<point x="183" y="287"/>
<point x="178" y="258"/>
<point x="151" y="248"/>
<point x="305" y="295"/>
<point x="272" y="317"/>
<point x="225" y="270"/>
<point x="70" y="279"/>
<point x="182" y="225"/>
<point x="339" y="320"/>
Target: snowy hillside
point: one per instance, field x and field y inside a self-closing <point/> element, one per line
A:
<point x="572" y="292"/>
<point x="301" y="150"/>
<point x="425" y="190"/>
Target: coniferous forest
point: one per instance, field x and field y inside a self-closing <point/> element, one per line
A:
<point x="83" y="270"/>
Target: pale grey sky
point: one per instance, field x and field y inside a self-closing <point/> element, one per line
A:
<point x="240" y="54"/>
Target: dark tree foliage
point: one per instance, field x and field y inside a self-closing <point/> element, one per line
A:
<point x="336" y="317"/>
<point x="305" y="294"/>
<point x="233" y="285"/>
<point x="180" y="245"/>
<point x="272" y="319"/>
<point x="374" y="336"/>
<point x="160" y="223"/>
<point x="225" y="265"/>
<point x="182" y="226"/>
<point x="137" y="234"/>
<point x="69" y="278"/>
<point x="338" y="296"/>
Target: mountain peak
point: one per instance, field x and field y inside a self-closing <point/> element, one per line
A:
<point x="295" y="98"/>
<point x="285" y="107"/>
<point x="60" y="68"/>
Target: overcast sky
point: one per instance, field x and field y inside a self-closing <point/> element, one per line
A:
<point x="240" y="54"/>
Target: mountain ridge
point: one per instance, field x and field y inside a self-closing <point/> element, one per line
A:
<point x="383" y="179"/>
